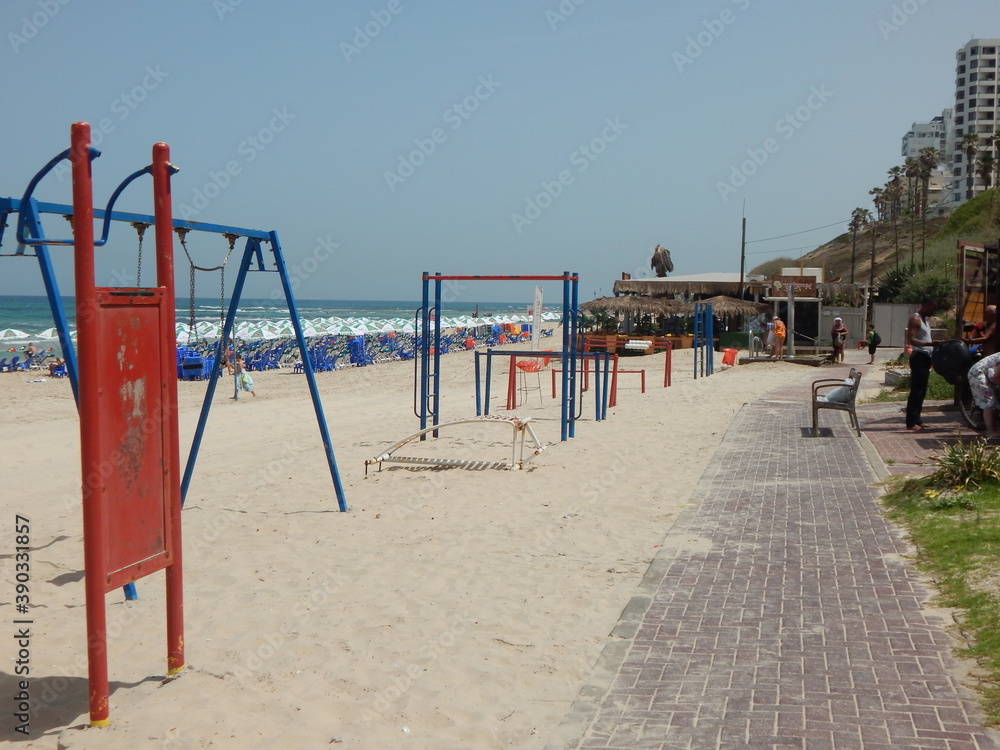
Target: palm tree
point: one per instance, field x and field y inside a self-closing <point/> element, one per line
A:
<point x="857" y="222"/>
<point x="995" y="140"/>
<point x="970" y="145"/>
<point x="879" y="201"/>
<point x="894" y="189"/>
<point x="984" y="168"/>
<point x="928" y="160"/>
<point x="911" y="168"/>
<point x="867" y="218"/>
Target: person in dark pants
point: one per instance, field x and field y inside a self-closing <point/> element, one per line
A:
<point x="918" y="338"/>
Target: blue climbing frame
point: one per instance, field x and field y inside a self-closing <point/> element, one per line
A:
<point x="30" y="233"/>
<point x="704" y="339"/>
<point x="427" y="380"/>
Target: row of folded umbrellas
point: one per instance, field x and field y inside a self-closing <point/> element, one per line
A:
<point x="333" y="326"/>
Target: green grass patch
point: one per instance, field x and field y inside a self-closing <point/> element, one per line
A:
<point x="953" y="519"/>
<point x="938" y="389"/>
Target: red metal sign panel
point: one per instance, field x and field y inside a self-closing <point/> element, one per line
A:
<point x="133" y="485"/>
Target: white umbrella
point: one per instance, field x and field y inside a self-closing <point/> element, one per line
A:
<point x="48" y="333"/>
<point x="9" y="334"/>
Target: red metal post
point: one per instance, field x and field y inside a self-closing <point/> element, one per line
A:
<point x="163" y="219"/>
<point x="94" y="540"/>
<point x="666" y="364"/>
<point x="613" y="399"/>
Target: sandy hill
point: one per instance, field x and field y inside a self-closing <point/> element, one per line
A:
<point x="835" y="256"/>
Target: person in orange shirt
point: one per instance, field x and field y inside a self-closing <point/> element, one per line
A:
<point x="779" y="334"/>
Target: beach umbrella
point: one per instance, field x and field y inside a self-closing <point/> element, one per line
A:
<point x="724" y="306"/>
<point x="48" y="333"/>
<point x="387" y="328"/>
<point x="636" y="305"/>
<point x="9" y="334"/>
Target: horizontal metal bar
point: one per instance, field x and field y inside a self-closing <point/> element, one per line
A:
<point x="561" y="277"/>
<point x="14" y="204"/>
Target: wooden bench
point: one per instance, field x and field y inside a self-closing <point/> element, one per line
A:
<point x="836" y="393"/>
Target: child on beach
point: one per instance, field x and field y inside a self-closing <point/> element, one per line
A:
<point x="243" y="380"/>
<point x="873" y="341"/>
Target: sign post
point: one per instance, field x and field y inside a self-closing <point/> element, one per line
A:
<point x="128" y="424"/>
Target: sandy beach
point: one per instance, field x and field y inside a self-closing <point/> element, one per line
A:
<point x="449" y="608"/>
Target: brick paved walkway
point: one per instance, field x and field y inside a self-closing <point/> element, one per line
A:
<point x="781" y="613"/>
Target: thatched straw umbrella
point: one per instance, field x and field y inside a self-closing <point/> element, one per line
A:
<point x="635" y="305"/>
<point x="724" y="307"/>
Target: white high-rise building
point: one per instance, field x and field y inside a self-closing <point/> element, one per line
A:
<point x="937" y="133"/>
<point x="976" y="111"/>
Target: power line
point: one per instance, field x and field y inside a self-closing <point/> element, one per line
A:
<point x="786" y="250"/>
<point x="804" y="231"/>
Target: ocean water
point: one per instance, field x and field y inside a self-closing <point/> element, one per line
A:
<point x="32" y="314"/>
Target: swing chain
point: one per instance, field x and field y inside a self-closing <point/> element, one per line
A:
<point x="222" y="294"/>
<point x="182" y="235"/>
<point x="140" y="229"/>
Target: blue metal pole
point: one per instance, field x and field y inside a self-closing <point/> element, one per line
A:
<point x="436" y="396"/>
<point x="574" y="313"/>
<point x="489" y="380"/>
<point x="569" y="365"/>
<point x="34" y="225"/>
<point x="607" y="381"/>
<point x="279" y="259"/>
<point x="479" y="394"/>
<point x="423" y="356"/>
<point x="710" y="337"/>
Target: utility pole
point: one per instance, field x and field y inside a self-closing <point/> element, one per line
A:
<point x="743" y="248"/>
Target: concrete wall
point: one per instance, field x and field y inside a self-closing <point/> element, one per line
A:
<point x="854" y="319"/>
<point x="890" y="322"/>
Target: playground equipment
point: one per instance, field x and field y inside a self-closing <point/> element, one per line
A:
<point x="522" y="429"/>
<point x="427" y="379"/>
<point x="704" y="339"/>
<point x="30" y="233"/>
<point x="125" y="385"/>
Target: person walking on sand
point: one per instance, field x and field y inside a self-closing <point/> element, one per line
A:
<point x="839" y="336"/>
<point x="243" y="381"/>
<point x="778" y="341"/>
<point x="918" y="337"/>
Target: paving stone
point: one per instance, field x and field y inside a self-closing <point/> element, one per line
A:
<point x="800" y="625"/>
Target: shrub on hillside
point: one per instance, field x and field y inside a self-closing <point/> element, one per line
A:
<point x="936" y="284"/>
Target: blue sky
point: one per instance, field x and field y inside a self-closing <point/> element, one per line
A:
<point x="382" y="138"/>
